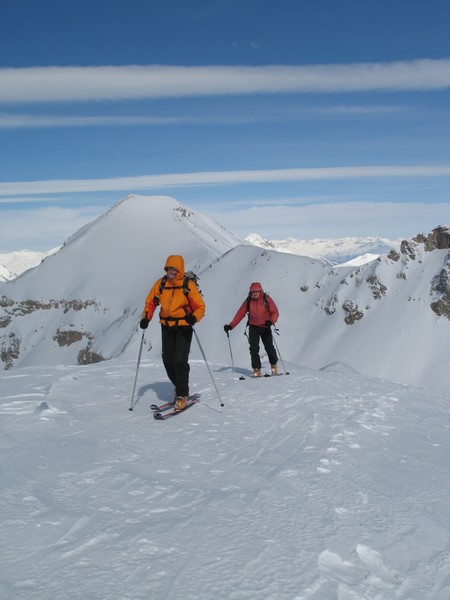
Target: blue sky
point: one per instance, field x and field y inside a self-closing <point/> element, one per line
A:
<point x="288" y="118"/>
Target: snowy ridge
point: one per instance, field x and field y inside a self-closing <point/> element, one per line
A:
<point x="317" y="485"/>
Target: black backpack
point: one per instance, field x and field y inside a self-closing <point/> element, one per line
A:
<point x="188" y="276"/>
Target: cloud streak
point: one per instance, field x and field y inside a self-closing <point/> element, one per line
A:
<point x="385" y="219"/>
<point x="19" y="121"/>
<point x="63" y="84"/>
<point x="174" y="180"/>
<point x="30" y="121"/>
<point x="44" y="227"/>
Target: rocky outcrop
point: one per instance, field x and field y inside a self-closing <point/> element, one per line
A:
<point x="87" y="357"/>
<point x="65" y="336"/>
<point x="353" y="313"/>
<point x="440" y="290"/>
<point x="438" y="239"/>
<point x="393" y="255"/>
<point x="376" y="287"/>
<point x="10" y="350"/>
<point x="407" y="248"/>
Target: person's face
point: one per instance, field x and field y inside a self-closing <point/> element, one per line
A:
<point x="171" y="272"/>
<point x="255" y="295"/>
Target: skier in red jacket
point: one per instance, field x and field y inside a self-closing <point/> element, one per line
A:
<point x="262" y="314"/>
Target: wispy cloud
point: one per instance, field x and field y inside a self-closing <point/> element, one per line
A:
<point x="385" y="219"/>
<point x="30" y="200"/>
<point x="52" y="84"/>
<point x="19" y="230"/>
<point x="22" y="121"/>
<point x="9" y="120"/>
<point x="355" y="110"/>
<point x="174" y="180"/>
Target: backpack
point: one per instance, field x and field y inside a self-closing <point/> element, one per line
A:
<point x="188" y="276"/>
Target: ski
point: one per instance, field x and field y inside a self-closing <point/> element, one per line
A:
<point x="163" y="416"/>
<point x="277" y="375"/>
<point x="171" y="404"/>
<point x="162" y="407"/>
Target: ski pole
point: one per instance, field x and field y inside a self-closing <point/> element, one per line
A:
<point x="137" y="369"/>
<point x="278" y="350"/>
<point x="231" y="354"/>
<point x="209" y="370"/>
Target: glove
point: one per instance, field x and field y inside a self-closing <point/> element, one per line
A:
<point x="227" y="328"/>
<point x="144" y="323"/>
<point x="268" y="323"/>
<point x="190" y="319"/>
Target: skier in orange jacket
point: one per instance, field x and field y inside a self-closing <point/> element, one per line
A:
<point x="262" y="314"/>
<point x="181" y="306"/>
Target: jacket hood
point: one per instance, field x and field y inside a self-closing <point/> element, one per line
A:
<point x="256" y="287"/>
<point x="177" y="262"/>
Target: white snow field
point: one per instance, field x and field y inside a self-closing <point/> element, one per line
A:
<point x="317" y="485"/>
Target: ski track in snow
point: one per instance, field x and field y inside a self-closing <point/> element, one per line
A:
<point x="303" y="487"/>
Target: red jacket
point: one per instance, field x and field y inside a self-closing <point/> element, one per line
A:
<point x="259" y="311"/>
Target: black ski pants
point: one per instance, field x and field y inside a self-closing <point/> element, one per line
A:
<point x="265" y="334"/>
<point x="176" y="344"/>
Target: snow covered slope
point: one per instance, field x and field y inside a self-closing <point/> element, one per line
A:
<point x="324" y="484"/>
<point x="320" y="485"/>
<point x="388" y="318"/>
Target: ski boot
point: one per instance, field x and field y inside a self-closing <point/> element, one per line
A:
<point x="256" y="373"/>
<point x="274" y="369"/>
<point x="181" y="403"/>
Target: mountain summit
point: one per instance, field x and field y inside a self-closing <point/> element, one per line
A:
<point x="88" y="294"/>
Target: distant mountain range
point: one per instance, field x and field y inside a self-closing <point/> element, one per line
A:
<point x="332" y="251"/>
<point x="389" y="317"/>
<point x="355" y="250"/>
<point x="13" y="264"/>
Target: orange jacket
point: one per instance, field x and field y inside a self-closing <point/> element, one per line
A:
<point x="172" y="300"/>
<point x="258" y="312"/>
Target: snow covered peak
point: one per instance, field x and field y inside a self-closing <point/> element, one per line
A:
<point x="82" y="303"/>
<point x="119" y="253"/>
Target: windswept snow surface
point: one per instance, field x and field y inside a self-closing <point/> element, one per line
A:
<point x="317" y="485"/>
